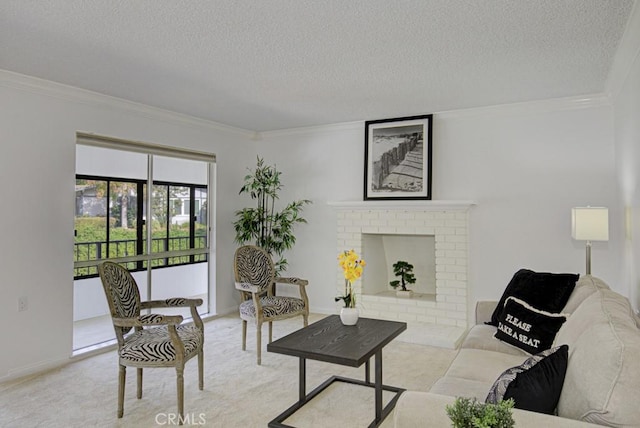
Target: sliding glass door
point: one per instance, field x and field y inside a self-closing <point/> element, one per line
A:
<point x="163" y="236"/>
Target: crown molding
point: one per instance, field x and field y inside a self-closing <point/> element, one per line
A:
<point x="48" y="88"/>
<point x="73" y="94"/>
<point x="513" y="109"/>
<point x="530" y="107"/>
<point x="333" y="127"/>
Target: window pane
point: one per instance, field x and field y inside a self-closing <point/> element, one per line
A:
<point x="201" y="218"/>
<point x="144" y="219"/>
<point x="123" y="210"/>
<point x="90" y="223"/>
<point x="179" y="228"/>
<point x="159" y="234"/>
<point x="189" y="280"/>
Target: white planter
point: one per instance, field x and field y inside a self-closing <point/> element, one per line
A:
<point x="406" y="294"/>
<point x="349" y="316"/>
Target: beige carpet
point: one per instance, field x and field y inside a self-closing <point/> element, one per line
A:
<point x="237" y="392"/>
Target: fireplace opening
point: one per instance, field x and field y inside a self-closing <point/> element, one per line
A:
<point x="381" y="251"/>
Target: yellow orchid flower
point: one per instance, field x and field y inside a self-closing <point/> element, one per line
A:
<point x="352" y="266"/>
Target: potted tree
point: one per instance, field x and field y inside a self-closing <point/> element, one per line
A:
<point x="404" y="270"/>
<point x="263" y="225"/>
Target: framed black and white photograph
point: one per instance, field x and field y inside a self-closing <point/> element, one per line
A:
<point x="397" y="158"/>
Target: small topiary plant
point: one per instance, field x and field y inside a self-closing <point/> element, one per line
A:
<point x="405" y="271"/>
<point x="469" y="413"/>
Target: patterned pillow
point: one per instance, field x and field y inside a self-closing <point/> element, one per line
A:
<point x="534" y="385"/>
<point x="526" y="327"/>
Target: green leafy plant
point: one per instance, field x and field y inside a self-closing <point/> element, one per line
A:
<point x="405" y="271"/>
<point x="469" y="413"/>
<point x="262" y="225"/>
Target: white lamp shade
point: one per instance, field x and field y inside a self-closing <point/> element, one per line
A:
<point x="590" y="223"/>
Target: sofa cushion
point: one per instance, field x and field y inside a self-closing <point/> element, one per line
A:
<point x="603" y="376"/>
<point x="535" y="384"/>
<point x="483" y="366"/>
<point x="481" y="336"/>
<point x="586" y="286"/>
<point x="545" y="291"/>
<point x="460" y="387"/>
<point x="526" y="327"/>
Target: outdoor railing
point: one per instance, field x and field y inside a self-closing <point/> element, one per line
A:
<point x="98" y="250"/>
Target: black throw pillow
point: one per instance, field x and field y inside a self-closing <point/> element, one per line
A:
<point x="526" y="327"/>
<point x="536" y="384"/>
<point x="545" y="291"/>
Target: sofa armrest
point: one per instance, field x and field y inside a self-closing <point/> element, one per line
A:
<point x="484" y="310"/>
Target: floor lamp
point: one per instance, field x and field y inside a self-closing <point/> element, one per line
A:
<point x="590" y="224"/>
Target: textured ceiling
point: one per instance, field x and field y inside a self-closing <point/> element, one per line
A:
<point x="276" y="64"/>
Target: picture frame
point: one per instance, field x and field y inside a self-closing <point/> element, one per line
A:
<point x="398" y="158"/>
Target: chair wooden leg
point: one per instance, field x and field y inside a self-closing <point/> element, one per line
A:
<point x="305" y="319"/>
<point x="180" y="385"/>
<point x="139" y="394"/>
<point x="270" y="331"/>
<point x="201" y="370"/>
<point x="244" y="335"/>
<point x="122" y="375"/>
<point x="259" y="342"/>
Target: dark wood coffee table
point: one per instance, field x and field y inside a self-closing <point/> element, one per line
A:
<point x="328" y="340"/>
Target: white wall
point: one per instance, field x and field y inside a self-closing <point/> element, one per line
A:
<point x="38" y="123"/>
<point x="624" y="85"/>
<point x="525" y="165"/>
<point x="322" y="164"/>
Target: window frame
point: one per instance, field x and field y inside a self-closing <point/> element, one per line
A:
<point x="140" y="265"/>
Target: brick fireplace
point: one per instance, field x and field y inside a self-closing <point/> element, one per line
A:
<point x="436" y="315"/>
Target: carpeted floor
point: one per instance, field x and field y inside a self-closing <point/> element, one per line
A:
<point x="237" y="392"/>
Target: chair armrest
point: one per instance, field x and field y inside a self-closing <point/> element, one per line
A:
<point x="245" y="286"/>
<point x="292" y="280"/>
<point x="175" y="302"/>
<point x="484" y="310"/>
<point x="301" y="283"/>
<point x="148" y="319"/>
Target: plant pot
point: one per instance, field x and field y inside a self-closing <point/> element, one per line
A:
<point x="349" y="316"/>
<point x="404" y="293"/>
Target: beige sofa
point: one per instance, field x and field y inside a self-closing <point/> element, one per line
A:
<point x="602" y="382"/>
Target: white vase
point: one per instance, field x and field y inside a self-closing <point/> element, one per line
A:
<point x="349" y="316"/>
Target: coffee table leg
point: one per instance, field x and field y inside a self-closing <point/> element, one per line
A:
<point x="367" y="367"/>
<point x="378" y="380"/>
<point x="302" y="392"/>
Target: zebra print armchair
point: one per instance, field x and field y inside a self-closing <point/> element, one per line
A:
<point x="255" y="279"/>
<point x="150" y="340"/>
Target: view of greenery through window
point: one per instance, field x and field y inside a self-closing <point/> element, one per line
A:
<point x="179" y="221"/>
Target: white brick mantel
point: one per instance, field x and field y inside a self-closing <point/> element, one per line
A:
<point x="440" y="205"/>
<point x="441" y="321"/>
